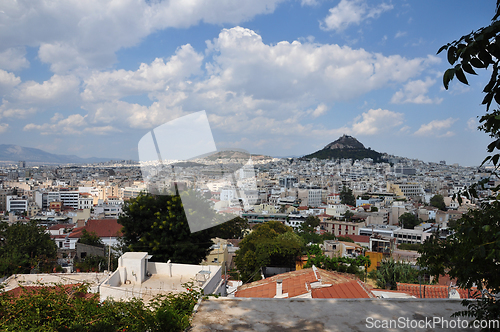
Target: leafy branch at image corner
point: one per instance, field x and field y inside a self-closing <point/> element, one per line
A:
<point x="480" y="50"/>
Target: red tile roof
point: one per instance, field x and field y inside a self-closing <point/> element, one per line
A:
<point x="347" y="290"/>
<point x="435" y="291"/>
<point x="70" y="290"/>
<point x="102" y="227"/>
<point x="321" y="284"/>
<point x="59" y="236"/>
<point x="358" y="238"/>
<point x="59" y="226"/>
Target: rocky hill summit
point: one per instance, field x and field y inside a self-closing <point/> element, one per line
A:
<point x="346" y="147"/>
<point x="345" y="142"/>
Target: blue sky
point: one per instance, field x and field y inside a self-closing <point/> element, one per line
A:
<point x="275" y="77"/>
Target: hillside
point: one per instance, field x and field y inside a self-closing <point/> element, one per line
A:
<point x="346" y="147"/>
<point x="14" y="153"/>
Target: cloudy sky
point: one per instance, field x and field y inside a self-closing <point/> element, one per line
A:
<point x="275" y="77"/>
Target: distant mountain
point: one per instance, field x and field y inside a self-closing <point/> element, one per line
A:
<point x="15" y="153"/>
<point x="346" y="147"/>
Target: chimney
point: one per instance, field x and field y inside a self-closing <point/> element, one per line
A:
<point x="279" y="288"/>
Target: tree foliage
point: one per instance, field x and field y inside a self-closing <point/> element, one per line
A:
<point x="24" y="247"/>
<point x="235" y="228"/>
<point x="408" y="220"/>
<point x="390" y="272"/>
<point x="340" y="264"/>
<point x="480" y="50"/>
<point x="346" y="196"/>
<point x="309" y="225"/>
<point x="90" y="238"/>
<point x="269" y="244"/>
<point x="471" y="252"/>
<point x="157" y="224"/>
<point x="347" y="216"/>
<point x="68" y="308"/>
<point x="316" y="238"/>
<point x="438" y="201"/>
<point x="345" y="239"/>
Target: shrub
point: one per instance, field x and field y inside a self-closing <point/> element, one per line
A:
<point x="72" y="308"/>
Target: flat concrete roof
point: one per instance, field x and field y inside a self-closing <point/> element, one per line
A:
<point x="235" y="314"/>
<point x="93" y="279"/>
<point x="134" y="255"/>
<point x="161" y="283"/>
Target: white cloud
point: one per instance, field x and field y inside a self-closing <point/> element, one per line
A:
<point x="14" y="59"/>
<point x="376" y="121"/>
<point x="400" y="34"/>
<point x="8" y="81"/>
<point x="243" y="63"/>
<point x="147" y="79"/>
<point x="309" y="2"/>
<point x="19" y="113"/>
<point x="248" y="86"/>
<point x="320" y="110"/>
<point x="415" y="92"/>
<point x="436" y="128"/>
<point x="90" y="32"/>
<point x="349" y="12"/>
<point x="55" y="91"/>
<point x="405" y="129"/>
<point x="74" y="124"/>
<point x="3" y="127"/>
<point x="472" y="124"/>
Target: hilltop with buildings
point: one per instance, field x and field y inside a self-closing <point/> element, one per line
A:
<point x="346" y="147"/>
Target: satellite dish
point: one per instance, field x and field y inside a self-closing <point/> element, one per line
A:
<point x="453" y="294"/>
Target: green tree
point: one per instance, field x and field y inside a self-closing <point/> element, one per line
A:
<point x="269" y="244"/>
<point x="390" y="272"/>
<point x="340" y="264"/>
<point x="25" y="246"/>
<point x="90" y="238"/>
<point x="408" y="220"/>
<point x="374" y="209"/>
<point x="470" y="254"/>
<point x="345" y="239"/>
<point x="235" y="228"/>
<point x="157" y="224"/>
<point x="348" y="214"/>
<point x="70" y="308"/>
<point x="314" y="250"/>
<point x="438" y="201"/>
<point x="309" y="225"/>
<point x="346" y="196"/>
<point x="477" y="50"/>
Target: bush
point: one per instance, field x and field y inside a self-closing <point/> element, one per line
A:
<point x="71" y="308"/>
<point x="391" y="272"/>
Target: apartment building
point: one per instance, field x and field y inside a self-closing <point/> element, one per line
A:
<point x="405" y="190"/>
